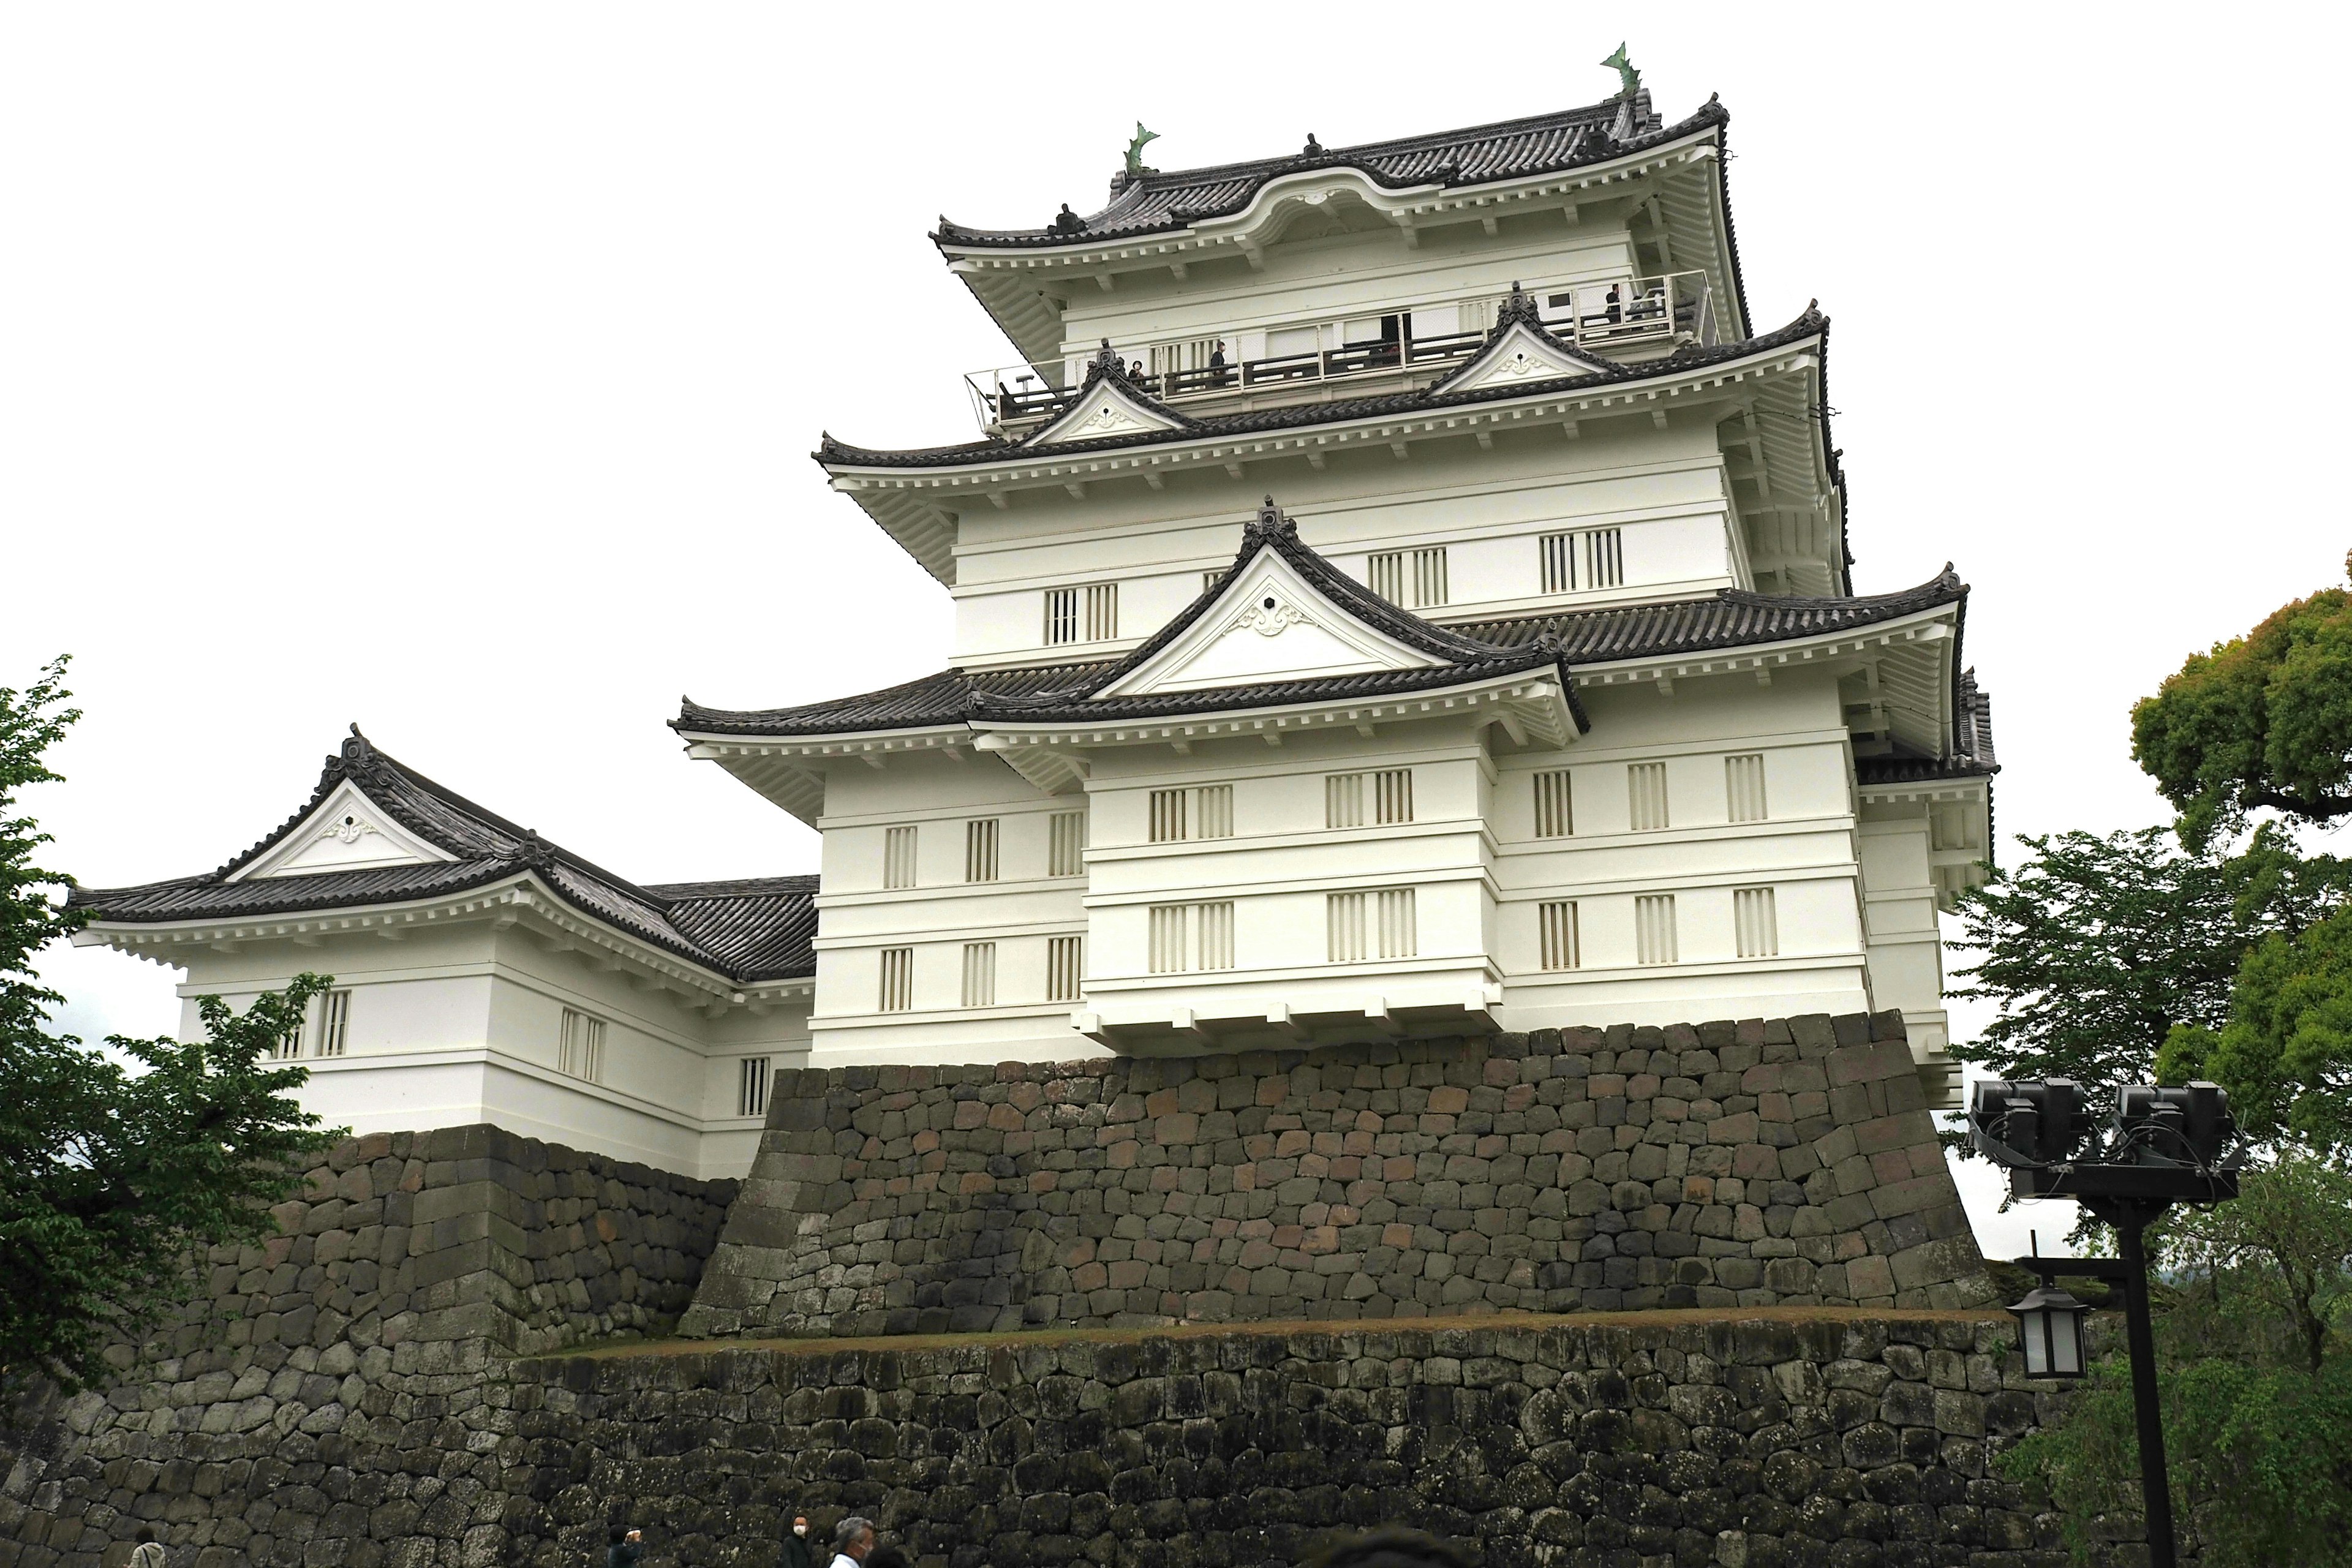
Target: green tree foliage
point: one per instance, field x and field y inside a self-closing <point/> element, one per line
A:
<point x="110" y="1178"/>
<point x="2097" y="948"/>
<point x="2285" y="1051"/>
<point x="2264" y="720"/>
<point x="2255" y="1380"/>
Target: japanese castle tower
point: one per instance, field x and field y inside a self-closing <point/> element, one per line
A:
<point x="1400" y="592"/>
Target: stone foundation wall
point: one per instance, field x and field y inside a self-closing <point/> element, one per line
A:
<point x="335" y="1398"/>
<point x="1788" y="1161"/>
<point x="1819" y="1437"/>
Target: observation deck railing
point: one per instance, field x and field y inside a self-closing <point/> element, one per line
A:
<point x="1627" y="313"/>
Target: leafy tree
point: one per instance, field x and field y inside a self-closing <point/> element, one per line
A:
<point x="108" y="1179"/>
<point x="2255" y="1382"/>
<point x="2264" y="720"/>
<point x="2285" y="1052"/>
<point x="2097" y="948"/>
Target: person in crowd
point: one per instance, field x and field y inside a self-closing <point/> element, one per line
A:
<point x="798" y="1552"/>
<point x="149" y="1553"/>
<point x="888" y="1557"/>
<point x="623" y="1547"/>
<point x="1217" y="364"/>
<point x="853" y="1539"/>
<point x="1390" y="1546"/>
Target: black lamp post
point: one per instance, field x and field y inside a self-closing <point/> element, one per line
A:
<point x="2164" y="1146"/>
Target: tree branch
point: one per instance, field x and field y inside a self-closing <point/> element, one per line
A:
<point x="2319" y="808"/>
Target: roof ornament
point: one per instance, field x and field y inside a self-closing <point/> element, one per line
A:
<point x="1270" y="523"/>
<point x="356" y="751"/>
<point x="1626" y="74"/>
<point x="1068" y="222"/>
<point x="1136" y="167"/>
<point x="1106" y="362"/>
<point x="535" y="850"/>
<point x="1313" y="149"/>
<point x="1519" y="307"/>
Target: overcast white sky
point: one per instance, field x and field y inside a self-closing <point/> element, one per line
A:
<point x="452" y="368"/>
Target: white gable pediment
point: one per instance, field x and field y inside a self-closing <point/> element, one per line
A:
<point x="1269" y="625"/>
<point x="1106" y="409"/>
<point x="1519" y="354"/>
<point x="348" y="832"/>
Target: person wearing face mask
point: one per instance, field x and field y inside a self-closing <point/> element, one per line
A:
<point x="798" y="1552"/>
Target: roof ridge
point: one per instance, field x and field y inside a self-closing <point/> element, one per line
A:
<point x="734" y="888"/>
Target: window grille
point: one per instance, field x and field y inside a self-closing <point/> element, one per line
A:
<point x="1065" y="844"/>
<point x="1206" y="812"/>
<point x="1555" y="804"/>
<point x="1089" y="614"/>
<point x="1359" y="926"/>
<point x="898" y="857"/>
<point x="580" y="1047"/>
<point x="1388" y="792"/>
<point x="1415" y="578"/>
<point x="980" y="974"/>
<point x="979" y="850"/>
<point x="1062" y="959"/>
<point x="288" y="1045"/>
<point x="1588" y="558"/>
<point x="1646" y="784"/>
<point x="1384" y="574"/>
<point x="1558" y="920"/>
<point x="1654" y="929"/>
<point x="1743" y="782"/>
<point x="1758" y="928"/>
<point x="751" y="1087"/>
<point x="335" y="1022"/>
<point x="1187" y="937"/>
<point x="898" y="980"/>
<point x="1167" y="815"/>
<point x="1429" y="576"/>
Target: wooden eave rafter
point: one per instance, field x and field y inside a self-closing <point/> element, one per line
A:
<point x="917" y="505"/>
<point x="1005" y="280"/>
<point x="512" y="902"/>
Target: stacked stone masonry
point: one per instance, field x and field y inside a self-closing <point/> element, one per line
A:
<point x="1750" y="1163"/>
<point x="1826" y="1440"/>
<point x="334" y="1396"/>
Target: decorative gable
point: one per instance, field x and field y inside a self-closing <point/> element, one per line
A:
<point x="348" y="832"/>
<point x="1107" y="407"/>
<point x="1520" y="351"/>
<point x="1267" y="625"/>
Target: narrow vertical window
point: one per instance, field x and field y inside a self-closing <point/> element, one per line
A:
<point x="1555" y="804"/>
<point x="751" y="1087"/>
<point x="1558" y="920"/>
<point x="1359" y="926"/>
<point x="897" y="856"/>
<point x="1743" y="783"/>
<point x="1757" y="926"/>
<point x="980" y="974"/>
<point x="1186" y="937"/>
<point x="1654" y="929"/>
<point x="1102" y="612"/>
<point x="580" y="1047"/>
<point x="1206" y="812"/>
<point x="1167" y="815"/>
<point x="1557" y="552"/>
<point x="1343" y="924"/>
<point x="1065" y="844"/>
<point x="1343" y="800"/>
<point x="1060" y="616"/>
<point x="1384" y="574"/>
<point x="1604" y="559"/>
<point x="1213" y="812"/>
<point x="1398" y="935"/>
<point x="1388" y="793"/>
<point x="1429" y="577"/>
<point x="1062" y="959"/>
<point x="288" y="1045"/>
<point x="979" y="850"/>
<point x="1393" y="796"/>
<point x="335" y="1022"/>
<point x="897" y="993"/>
<point x="1647" y="787"/>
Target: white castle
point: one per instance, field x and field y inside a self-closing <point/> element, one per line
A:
<point x="1399" y="593"/>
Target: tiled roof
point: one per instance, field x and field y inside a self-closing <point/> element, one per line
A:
<point x="1728" y="618"/>
<point x="747" y="931"/>
<point x="834" y="454"/>
<point x="1972" y="753"/>
<point x="1476" y="155"/>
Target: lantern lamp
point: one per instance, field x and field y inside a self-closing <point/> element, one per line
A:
<point x="2049" y="1323"/>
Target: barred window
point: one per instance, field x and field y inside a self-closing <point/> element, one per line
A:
<point x="898" y="857"/>
<point x="1654" y="929"/>
<point x="1588" y="558"/>
<point x="751" y="1087"/>
<point x="1089" y="613"/>
<point x="1388" y="793"/>
<point x="1555" y="804"/>
<point x="980" y="974"/>
<point x="1646" y="785"/>
<point x="1757" y="926"/>
<point x="335" y="1022"/>
<point x="1743" y="783"/>
<point x="1206" y="812"/>
<point x="897" y="994"/>
<point x="1558" y="922"/>
<point x="1384" y="574"/>
<point x="1066" y="845"/>
<point x="1063" y="954"/>
<point x="1359" y="926"/>
<point x="1429" y="576"/>
<point x="979" y="850"/>
<point x="1187" y="937"/>
<point x="580" y="1047"/>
